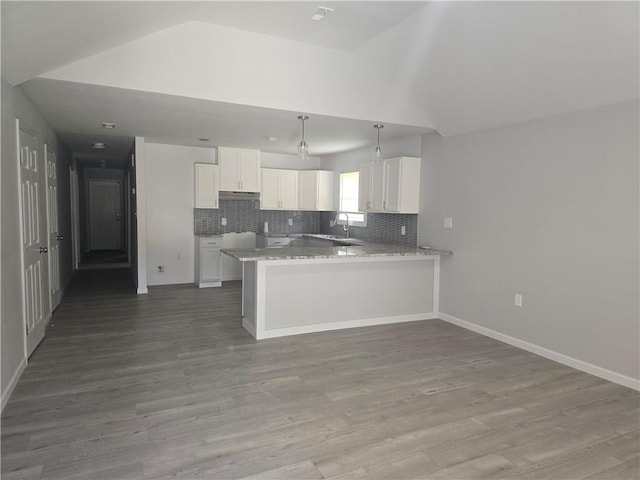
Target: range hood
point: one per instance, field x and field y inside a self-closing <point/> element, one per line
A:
<point x="229" y="195"/>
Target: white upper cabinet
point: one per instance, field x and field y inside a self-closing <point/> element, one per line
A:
<point x="206" y="185"/>
<point x="316" y="190"/>
<point x="364" y="187"/>
<point x="391" y="186"/>
<point x="239" y="169"/>
<point x="279" y="189"/>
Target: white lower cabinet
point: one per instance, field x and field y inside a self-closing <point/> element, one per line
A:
<point x="208" y="261"/>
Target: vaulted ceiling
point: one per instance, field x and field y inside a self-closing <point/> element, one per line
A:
<point x="239" y="72"/>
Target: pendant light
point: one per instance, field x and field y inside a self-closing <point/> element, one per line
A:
<point x="303" y="146"/>
<point x="377" y="153"/>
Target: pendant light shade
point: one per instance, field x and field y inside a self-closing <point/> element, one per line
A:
<point x="377" y="153"/>
<point x="303" y="146"/>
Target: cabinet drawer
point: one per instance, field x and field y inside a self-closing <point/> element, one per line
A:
<point x="211" y="242"/>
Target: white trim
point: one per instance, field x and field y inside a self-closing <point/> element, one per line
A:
<point x="142" y="291"/>
<point x="546" y="353"/>
<point x="12" y="383"/>
<point x="21" y="235"/>
<point x="141" y="216"/>
<point x="436" y="283"/>
<point x="365" y="322"/>
<point x="249" y="327"/>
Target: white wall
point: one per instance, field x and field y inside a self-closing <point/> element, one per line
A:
<point x="16" y="105"/>
<point x="203" y="60"/>
<point x="548" y="209"/>
<point x="141" y="216"/>
<point x="169" y="207"/>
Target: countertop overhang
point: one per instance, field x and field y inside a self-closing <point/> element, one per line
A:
<point x="297" y="253"/>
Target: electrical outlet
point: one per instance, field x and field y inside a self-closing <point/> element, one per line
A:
<point x="161" y="268"/>
<point x="291" y="222"/>
<point x="403" y="230"/>
<point x="223" y="221"/>
<point x="448" y="222"/>
<point x="517" y="300"/>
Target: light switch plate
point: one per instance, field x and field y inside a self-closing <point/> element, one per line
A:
<point x="223" y="221"/>
<point x="403" y="230"/>
<point x="448" y="222"/>
<point x="291" y="222"/>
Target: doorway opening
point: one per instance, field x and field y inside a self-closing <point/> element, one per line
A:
<point x="104" y="213"/>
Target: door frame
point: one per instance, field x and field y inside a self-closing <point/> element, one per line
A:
<point x="117" y="181"/>
<point x="54" y="297"/>
<point x="74" y="187"/>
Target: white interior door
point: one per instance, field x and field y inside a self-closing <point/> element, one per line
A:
<point x="34" y="240"/>
<point x="54" y="236"/>
<point x="105" y="225"/>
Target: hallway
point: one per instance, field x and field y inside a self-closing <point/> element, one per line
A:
<point x="168" y="385"/>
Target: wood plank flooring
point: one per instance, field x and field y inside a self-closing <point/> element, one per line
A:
<point x="168" y="385"/>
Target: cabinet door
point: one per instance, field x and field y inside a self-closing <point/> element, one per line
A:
<point x="392" y="202"/>
<point x="325" y="191"/>
<point x="249" y="170"/>
<point x="269" y="193"/>
<point x="206" y="186"/>
<point x="364" y="187"/>
<point x="377" y="187"/>
<point x="228" y="165"/>
<point x="288" y="189"/>
<point x="210" y="265"/>
<point x="308" y="188"/>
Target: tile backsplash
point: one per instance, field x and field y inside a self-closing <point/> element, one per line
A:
<point x="246" y="216"/>
<point x="381" y="227"/>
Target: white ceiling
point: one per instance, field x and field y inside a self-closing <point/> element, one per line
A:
<point x="178" y="120"/>
<point x="467" y="66"/>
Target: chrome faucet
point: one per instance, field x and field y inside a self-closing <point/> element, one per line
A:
<point x="346" y="225"/>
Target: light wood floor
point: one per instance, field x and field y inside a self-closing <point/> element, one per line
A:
<point x="168" y="385"/>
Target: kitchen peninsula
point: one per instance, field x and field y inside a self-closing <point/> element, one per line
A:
<point x="289" y="291"/>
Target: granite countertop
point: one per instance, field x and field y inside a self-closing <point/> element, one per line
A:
<point x="296" y="253"/>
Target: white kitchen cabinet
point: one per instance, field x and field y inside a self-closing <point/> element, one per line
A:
<point x="206" y="185"/>
<point x="239" y="169"/>
<point x="315" y="190"/>
<point x="279" y="189"/>
<point x="391" y="186"/>
<point x="208" y="261"/>
<point x="364" y="187"/>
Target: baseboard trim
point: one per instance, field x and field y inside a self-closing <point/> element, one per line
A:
<point x="610" y="375"/>
<point x="248" y="326"/>
<point x="12" y="383"/>
<point x="142" y="291"/>
<point x="324" y="327"/>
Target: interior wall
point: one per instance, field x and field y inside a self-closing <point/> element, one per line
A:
<point x="169" y="207"/>
<point x="16" y="105"/>
<point x="548" y="209"/>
